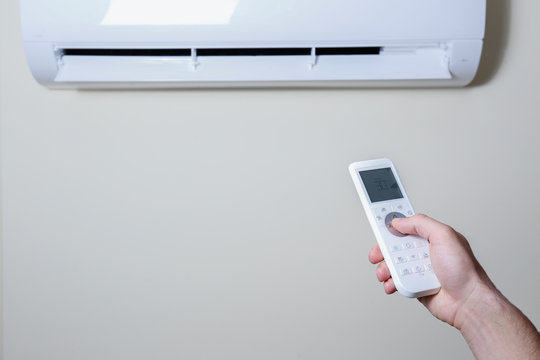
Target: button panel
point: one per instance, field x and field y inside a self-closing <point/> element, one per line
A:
<point x="406" y="271"/>
<point x="395" y="206"/>
<point x="410" y="255"/>
<point x="383" y="210"/>
<point x="424" y="253"/>
<point x="388" y="222"/>
<point x="421" y="243"/>
<point x="413" y="257"/>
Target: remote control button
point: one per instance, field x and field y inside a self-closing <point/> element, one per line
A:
<point x="413" y="257"/>
<point x="419" y="269"/>
<point x="429" y="267"/>
<point x="399" y="207"/>
<point x="408" y="245"/>
<point x="401" y="259"/>
<point x="410" y="213"/>
<point x="388" y="223"/>
<point x="396" y="248"/>
<point x="420" y="243"/>
<point x="405" y="272"/>
<point x="424" y="255"/>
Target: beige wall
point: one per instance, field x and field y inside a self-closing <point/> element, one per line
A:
<point x="224" y="225"/>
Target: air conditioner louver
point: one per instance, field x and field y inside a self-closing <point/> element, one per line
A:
<point x="251" y="64"/>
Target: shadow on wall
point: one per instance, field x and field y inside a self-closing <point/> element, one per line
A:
<point x="496" y="40"/>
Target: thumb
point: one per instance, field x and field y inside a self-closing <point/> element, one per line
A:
<point x="420" y="225"/>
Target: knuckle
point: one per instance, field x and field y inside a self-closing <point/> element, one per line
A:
<point x="448" y="231"/>
<point x="421" y="216"/>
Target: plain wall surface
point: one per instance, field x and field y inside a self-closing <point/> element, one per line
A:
<point x="224" y="224"/>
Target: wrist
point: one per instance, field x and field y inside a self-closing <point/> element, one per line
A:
<point x="483" y="302"/>
<point x="494" y="328"/>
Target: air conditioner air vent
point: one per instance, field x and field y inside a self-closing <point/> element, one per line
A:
<point x="126" y="52"/>
<point x="225" y="51"/>
<point x="277" y="64"/>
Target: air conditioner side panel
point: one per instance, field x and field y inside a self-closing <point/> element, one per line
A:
<point x="465" y="60"/>
<point x="42" y="62"/>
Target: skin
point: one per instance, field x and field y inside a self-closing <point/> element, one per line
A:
<point x="468" y="300"/>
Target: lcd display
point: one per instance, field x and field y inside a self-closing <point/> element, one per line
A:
<point x="381" y="185"/>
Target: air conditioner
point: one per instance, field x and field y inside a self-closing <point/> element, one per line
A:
<point x="215" y="43"/>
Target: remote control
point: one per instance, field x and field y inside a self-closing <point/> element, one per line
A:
<point x="384" y="199"/>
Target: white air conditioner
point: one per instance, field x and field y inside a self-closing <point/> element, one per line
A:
<point x="181" y="43"/>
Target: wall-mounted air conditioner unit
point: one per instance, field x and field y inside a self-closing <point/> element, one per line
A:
<point x="180" y="43"/>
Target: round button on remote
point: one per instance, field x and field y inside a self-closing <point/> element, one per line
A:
<point x="388" y="223"/>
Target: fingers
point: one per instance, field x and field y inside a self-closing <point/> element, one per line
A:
<point x="389" y="286"/>
<point x="383" y="273"/>
<point x="420" y="225"/>
<point x="375" y="255"/>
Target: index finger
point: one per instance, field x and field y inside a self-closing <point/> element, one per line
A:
<point x="375" y="254"/>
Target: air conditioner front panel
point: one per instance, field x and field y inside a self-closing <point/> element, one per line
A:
<point x="236" y="22"/>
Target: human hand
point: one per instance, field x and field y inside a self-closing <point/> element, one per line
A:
<point x="493" y="327"/>
<point x="457" y="269"/>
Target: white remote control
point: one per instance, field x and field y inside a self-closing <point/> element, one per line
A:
<point x="384" y="199"/>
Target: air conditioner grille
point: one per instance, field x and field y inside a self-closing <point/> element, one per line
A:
<point x="225" y="51"/>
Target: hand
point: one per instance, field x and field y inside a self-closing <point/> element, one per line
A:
<point x="457" y="269"/>
<point x="493" y="327"/>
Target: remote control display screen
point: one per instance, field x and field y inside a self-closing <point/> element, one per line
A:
<point x="381" y="185"/>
